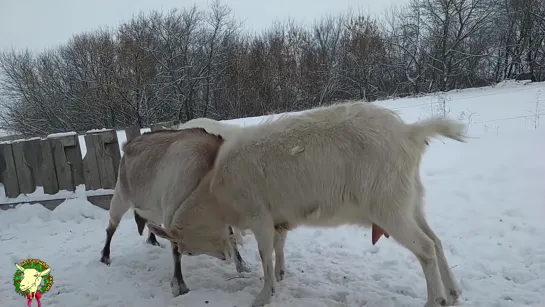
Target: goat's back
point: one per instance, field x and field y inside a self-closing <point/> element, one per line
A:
<point x="329" y="161"/>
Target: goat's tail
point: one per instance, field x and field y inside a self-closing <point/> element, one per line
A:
<point x="423" y="130"/>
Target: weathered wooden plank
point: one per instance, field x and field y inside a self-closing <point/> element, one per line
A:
<point x="25" y="178"/>
<point x="3" y="165"/>
<point x="69" y="169"/>
<point x="108" y="157"/>
<point x="101" y="201"/>
<point x="74" y="158"/>
<point x="111" y="145"/>
<point x="49" y="171"/>
<point x="155" y="127"/>
<point x="9" y="175"/>
<point x="90" y="166"/>
<point x="132" y="132"/>
<point x="33" y="158"/>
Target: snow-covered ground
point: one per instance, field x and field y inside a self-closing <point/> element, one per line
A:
<point x="485" y="200"/>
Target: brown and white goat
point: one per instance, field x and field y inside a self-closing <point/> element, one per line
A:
<point x="348" y="163"/>
<point x="157" y="172"/>
<point x="211" y="126"/>
<point x="223" y="129"/>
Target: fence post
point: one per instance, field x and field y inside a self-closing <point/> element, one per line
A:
<point x="132" y="132"/>
<point x="164" y="125"/>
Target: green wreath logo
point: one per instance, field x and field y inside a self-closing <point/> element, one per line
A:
<point x="28" y="271"/>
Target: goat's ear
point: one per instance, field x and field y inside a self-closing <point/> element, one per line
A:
<point x="20" y="267"/>
<point x="161" y="232"/>
<point x="45" y="272"/>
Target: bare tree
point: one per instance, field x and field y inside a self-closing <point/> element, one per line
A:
<point x="190" y="62"/>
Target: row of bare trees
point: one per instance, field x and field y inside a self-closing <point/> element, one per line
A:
<point x="192" y="63"/>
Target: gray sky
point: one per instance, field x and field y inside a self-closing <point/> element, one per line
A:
<point x="38" y="24"/>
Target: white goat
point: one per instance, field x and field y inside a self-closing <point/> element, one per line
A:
<point x="348" y="163"/>
<point x="211" y="126"/>
<point x="157" y="172"/>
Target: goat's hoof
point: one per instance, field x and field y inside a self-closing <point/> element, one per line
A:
<point x="438" y="302"/>
<point x="178" y="288"/>
<point x="243" y="268"/>
<point x="106" y="260"/>
<point x="279" y="275"/>
<point x="153" y="242"/>
<point x="263" y="298"/>
<point x="453" y="296"/>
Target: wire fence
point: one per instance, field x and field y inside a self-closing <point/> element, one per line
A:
<point x="507" y="118"/>
<point x="536" y="113"/>
<point x="456" y="99"/>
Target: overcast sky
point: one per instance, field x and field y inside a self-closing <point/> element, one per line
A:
<point x="38" y="24"/>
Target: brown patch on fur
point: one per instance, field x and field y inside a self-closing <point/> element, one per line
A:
<point x="134" y="145"/>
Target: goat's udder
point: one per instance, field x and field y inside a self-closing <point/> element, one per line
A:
<point x="376" y="233"/>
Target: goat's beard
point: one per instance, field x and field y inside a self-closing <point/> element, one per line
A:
<point x="36" y="295"/>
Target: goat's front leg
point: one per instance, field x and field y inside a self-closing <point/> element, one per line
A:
<point x="177" y="283"/>
<point x="279" y="243"/>
<point x="240" y="264"/>
<point x="118" y="207"/>
<point x="264" y="235"/>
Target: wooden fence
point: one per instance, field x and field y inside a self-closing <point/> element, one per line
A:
<point x="56" y="163"/>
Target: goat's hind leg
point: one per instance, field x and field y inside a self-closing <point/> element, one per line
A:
<point x="405" y="230"/>
<point x="264" y="234"/>
<point x="280" y="235"/>
<point x="118" y="207"/>
<point x="452" y="288"/>
<point x="177" y="283"/>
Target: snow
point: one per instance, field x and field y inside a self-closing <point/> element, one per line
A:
<point x="484" y="200"/>
<point x="61" y="134"/>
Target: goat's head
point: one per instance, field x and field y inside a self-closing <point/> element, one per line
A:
<point x="198" y="240"/>
<point x="31" y="278"/>
<point x="196" y="229"/>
